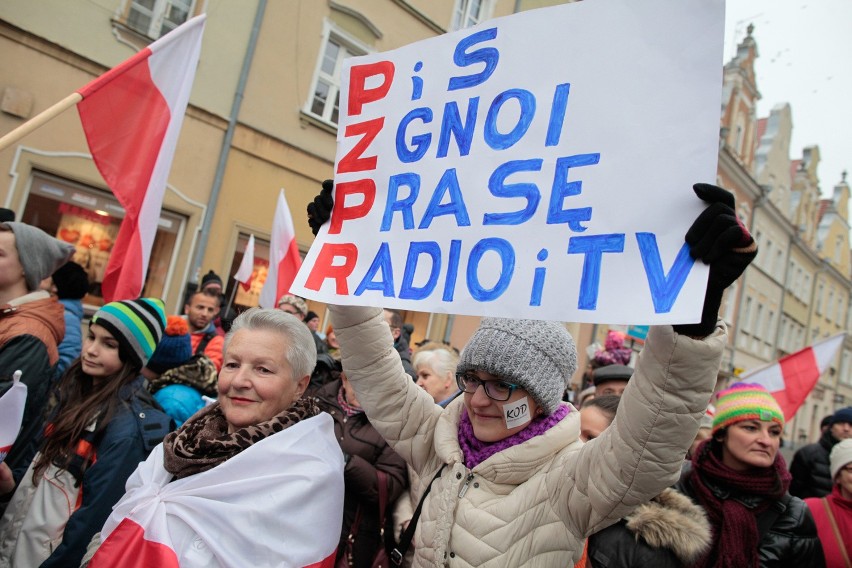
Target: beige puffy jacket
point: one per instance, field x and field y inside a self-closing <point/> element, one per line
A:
<point x="534" y="503"/>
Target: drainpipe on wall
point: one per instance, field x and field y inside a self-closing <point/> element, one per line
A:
<point x="192" y="285"/>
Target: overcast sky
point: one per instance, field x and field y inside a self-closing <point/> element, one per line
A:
<point x="805" y="59"/>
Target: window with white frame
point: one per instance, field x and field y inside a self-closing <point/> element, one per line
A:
<point x="155" y="18"/>
<point x="829" y="306"/>
<point x="468" y="13"/>
<point x="324" y="101"/>
<point x="746" y="317"/>
<point x="782" y="335"/>
<point x="778" y="268"/>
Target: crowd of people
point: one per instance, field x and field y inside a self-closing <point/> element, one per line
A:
<point x="196" y="439"/>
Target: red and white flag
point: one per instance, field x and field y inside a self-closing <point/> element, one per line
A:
<point x="277" y="503"/>
<point x="284" y="258"/>
<point x="792" y="378"/>
<point x="246" y="269"/>
<point x="132" y="116"/>
<point x="11" y="414"/>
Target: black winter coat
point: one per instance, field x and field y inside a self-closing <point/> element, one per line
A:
<point x="791" y="538"/>
<point x="811" y="470"/>
<point x="670" y="531"/>
<point x="365" y="452"/>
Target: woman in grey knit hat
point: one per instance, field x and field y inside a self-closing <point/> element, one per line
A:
<point x="509" y="482"/>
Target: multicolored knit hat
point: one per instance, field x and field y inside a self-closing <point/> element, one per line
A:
<point x="137" y="324"/>
<point x="745" y="401"/>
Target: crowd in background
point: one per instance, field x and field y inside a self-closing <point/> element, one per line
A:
<point x="350" y="447"/>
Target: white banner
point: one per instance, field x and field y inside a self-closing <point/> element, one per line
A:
<point x="539" y="165"/>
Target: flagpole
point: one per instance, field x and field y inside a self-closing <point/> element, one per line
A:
<point x="38" y="120"/>
<point x="233" y="292"/>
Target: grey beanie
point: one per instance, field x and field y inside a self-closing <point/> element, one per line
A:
<point x="540" y="356"/>
<point x="841" y="454"/>
<point x="39" y="253"/>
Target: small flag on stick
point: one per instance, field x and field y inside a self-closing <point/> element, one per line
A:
<point x="284" y="258"/>
<point x="246" y="269"/>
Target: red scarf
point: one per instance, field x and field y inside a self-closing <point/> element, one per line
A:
<point x="735" y="535"/>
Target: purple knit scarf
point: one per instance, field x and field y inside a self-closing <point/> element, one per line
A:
<point x="475" y="452"/>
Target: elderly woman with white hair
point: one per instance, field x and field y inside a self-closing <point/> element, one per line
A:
<point x="436" y="373"/>
<point x="255" y="479"/>
<point x="510" y="483"/>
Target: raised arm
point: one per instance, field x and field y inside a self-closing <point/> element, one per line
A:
<point x="403" y="413"/>
<point x="642" y="451"/>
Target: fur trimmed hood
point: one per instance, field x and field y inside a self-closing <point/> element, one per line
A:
<point x="672" y="521"/>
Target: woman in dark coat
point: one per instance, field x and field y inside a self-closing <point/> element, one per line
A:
<point x="741" y="480"/>
<point x="365" y="452"/>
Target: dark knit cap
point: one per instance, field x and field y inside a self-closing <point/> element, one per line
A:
<point x="842" y="415"/>
<point x="539" y="356"/>
<point x="136" y="324"/>
<point x="612" y="373"/>
<point x="210" y="278"/>
<point x="310" y="315"/>
<point x="39" y="253"/>
<point x="71" y="281"/>
<point x="174" y="348"/>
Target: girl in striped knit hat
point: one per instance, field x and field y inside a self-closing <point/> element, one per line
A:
<point x="741" y="480"/>
<point x="103" y="424"/>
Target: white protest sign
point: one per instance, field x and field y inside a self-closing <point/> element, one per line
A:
<point x="539" y="165"/>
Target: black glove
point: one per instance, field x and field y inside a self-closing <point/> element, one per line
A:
<point x="319" y="211"/>
<point x="718" y="238"/>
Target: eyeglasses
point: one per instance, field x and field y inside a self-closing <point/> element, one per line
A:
<point x="495" y="390"/>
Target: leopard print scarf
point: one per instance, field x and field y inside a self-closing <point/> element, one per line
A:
<point x="203" y="442"/>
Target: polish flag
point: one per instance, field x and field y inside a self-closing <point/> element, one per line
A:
<point x="246" y="269"/>
<point x="132" y="116"/>
<point x="792" y="378"/>
<point x="246" y="511"/>
<point x="284" y="259"/>
<point x="11" y="414"/>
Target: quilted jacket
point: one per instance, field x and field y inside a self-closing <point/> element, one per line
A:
<point x="532" y="504"/>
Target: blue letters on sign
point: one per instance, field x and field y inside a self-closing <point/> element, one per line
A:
<point x="452" y="270"/>
<point x="487" y="55"/>
<point x="664" y="289"/>
<point x="448" y="183"/>
<point x="593" y="247"/>
<point x="382" y="262"/>
<point x="410" y="292"/>
<point x="557" y="114"/>
<point x="528" y="191"/>
<point x="402" y="205"/>
<point x="452" y="124"/>
<point x="563" y="188"/>
<point x="420" y="142"/>
<point x="507" y="258"/>
<point x="496" y="139"/>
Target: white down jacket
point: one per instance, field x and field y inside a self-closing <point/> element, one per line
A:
<point x="532" y="504"/>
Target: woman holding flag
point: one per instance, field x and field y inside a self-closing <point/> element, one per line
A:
<point x="255" y="479"/>
<point x="510" y="482"/>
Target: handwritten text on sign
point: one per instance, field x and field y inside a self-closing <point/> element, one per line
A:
<point x="538" y="165"/>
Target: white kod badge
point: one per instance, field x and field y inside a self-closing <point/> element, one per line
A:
<point x="516" y="413"/>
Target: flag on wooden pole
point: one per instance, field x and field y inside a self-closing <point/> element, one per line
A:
<point x="284" y="258"/>
<point x="793" y="377"/>
<point x="132" y="117"/>
<point x="246" y="269"/>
